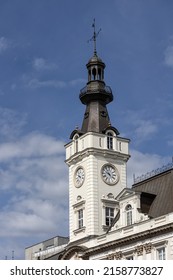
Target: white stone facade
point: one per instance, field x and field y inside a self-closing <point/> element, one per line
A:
<point x="91" y="153"/>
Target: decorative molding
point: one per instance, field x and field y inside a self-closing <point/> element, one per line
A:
<point x="139" y="250"/>
<point x="148" y="248"/>
<point x="126" y="240"/>
<point x="110" y="257"/>
<point x="79" y="204"/>
<point x="118" y="255"/>
<point x="115" y="256"/>
<point x="76" y="231"/>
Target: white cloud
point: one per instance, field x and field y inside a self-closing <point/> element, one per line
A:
<point x="143" y="127"/>
<point x="32" y="81"/>
<point x="33" y="216"/>
<point x="34" y="175"/>
<point x="34" y="189"/>
<point x="35" y="83"/>
<point x="77" y="82"/>
<point x="11" y="124"/>
<point x="32" y="145"/>
<point x="41" y="64"/>
<point x="4" y="44"/>
<point x="141" y="163"/>
<point x="169" y="56"/>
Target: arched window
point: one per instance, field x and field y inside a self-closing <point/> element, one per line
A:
<point x="76" y="142"/>
<point x="99" y="74"/>
<point x="89" y="75"/>
<point x="110" y="140"/>
<point x="94" y="73"/>
<point x="128" y="215"/>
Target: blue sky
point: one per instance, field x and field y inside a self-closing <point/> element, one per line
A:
<point x="43" y="53"/>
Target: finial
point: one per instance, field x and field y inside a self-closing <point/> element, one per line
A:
<point x="94" y="36"/>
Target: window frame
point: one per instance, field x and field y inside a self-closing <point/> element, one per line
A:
<point x="79" y="224"/>
<point x="108" y="216"/>
<point x="129" y="215"/>
<point x="161" y="250"/>
<point x="110" y="136"/>
<point x="80" y="218"/>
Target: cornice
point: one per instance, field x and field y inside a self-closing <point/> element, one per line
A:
<point x="95" y="151"/>
<point x="135" y="237"/>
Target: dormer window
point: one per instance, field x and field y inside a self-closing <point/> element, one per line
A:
<point x="110" y="140"/>
<point x="128" y="215"/>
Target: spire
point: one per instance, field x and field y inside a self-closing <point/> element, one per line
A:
<point x="95" y="95"/>
<point x="94" y="37"/>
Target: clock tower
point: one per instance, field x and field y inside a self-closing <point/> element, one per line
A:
<point x="97" y="157"/>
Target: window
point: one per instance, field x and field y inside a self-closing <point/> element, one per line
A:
<point x="94" y="73"/>
<point x="99" y="74"/>
<point x="161" y="253"/>
<point x="80" y="218"/>
<point x="128" y="215"/>
<point x="79" y="213"/>
<point x="76" y="142"/>
<point x="89" y="75"/>
<point x="110" y="140"/>
<point x="109" y="215"/>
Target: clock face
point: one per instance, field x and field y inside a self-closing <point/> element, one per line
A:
<point x="79" y="177"/>
<point x="109" y="174"/>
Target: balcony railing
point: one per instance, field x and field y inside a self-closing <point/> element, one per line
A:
<point x="105" y="89"/>
<point x="153" y="173"/>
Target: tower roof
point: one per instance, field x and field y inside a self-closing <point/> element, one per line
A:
<point x="95" y="60"/>
<point x="95" y="95"/>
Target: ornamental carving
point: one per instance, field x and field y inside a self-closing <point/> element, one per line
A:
<point x="139" y="250"/>
<point x="148" y="248"/>
<point x="118" y="255"/>
<point x="110" y="257"/>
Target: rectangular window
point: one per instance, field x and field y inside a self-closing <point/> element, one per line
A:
<point x="109" y="142"/>
<point x="128" y="214"/>
<point x="80" y="218"/>
<point x="109" y="215"/>
<point x="161" y="253"/>
<point x="129" y="218"/>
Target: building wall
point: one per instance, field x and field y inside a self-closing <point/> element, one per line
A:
<point x="46" y="248"/>
<point x="141" y="241"/>
<point x="90" y="152"/>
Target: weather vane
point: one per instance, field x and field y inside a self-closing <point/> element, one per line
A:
<point x="94" y="36"/>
